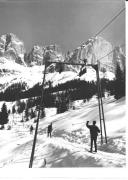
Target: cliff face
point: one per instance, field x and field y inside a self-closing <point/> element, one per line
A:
<point x="12" y="48"/>
<point x="119" y="57"/>
<point x="92" y="51"/>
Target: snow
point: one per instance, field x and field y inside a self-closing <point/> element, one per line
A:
<point x="20" y="73"/>
<point x="33" y="75"/>
<point x="70" y="142"/>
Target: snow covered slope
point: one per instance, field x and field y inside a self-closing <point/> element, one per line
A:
<point x="70" y="142"/>
<point x="12" y="72"/>
<point x="16" y="73"/>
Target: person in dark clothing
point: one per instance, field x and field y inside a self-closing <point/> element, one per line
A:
<point x="94" y="130"/>
<point x="49" y="130"/>
<point x="31" y="129"/>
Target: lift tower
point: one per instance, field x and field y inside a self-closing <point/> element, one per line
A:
<point x="100" y="102"/>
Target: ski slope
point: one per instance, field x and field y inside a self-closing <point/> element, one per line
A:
<point x="70" y="142"/>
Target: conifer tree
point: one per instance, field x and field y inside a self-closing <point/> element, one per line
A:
<point x="4" y="115"/>
<point x="26" y="113"/>
<point x="119" y="85"/>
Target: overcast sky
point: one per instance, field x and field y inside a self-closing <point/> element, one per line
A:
<point x="67" y="23"/>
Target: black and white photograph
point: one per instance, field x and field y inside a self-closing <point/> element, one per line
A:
<point x="62" y="84"/>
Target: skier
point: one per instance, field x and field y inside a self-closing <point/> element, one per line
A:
<point x="49" y="130"/>
<point x="31" y="129"/>
<point x="94" y="130"/>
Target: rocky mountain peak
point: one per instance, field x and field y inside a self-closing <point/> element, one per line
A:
<point x="12" y="48"/>
<point x="96" y="49"/>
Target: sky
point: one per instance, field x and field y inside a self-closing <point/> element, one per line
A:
<point x="67" y="23"/>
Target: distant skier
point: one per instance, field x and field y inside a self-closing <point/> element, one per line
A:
<point x="49" y="130"/>
<point x="94" y="130"/>
<point x="31" y="129"/>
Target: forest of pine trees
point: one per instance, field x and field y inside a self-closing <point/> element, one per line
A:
<point x="13" y="92"/>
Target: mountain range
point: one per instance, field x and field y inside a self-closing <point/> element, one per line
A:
<point x="18" y="65"/>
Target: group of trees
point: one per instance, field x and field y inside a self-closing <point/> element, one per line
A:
<point x="25" y="109"/>
<point x="115" y="87"/>
<point x="62" y="102"/>
<point x="13" y="92"/>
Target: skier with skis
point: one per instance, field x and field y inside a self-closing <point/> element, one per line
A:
<point x="94" y="130"/>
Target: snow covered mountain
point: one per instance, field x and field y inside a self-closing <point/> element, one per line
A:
<point x="98" y="50"/>
<point x="38" y="53"/>
<point x="12" y="48"/>
<point x="16" y="65"/>
<point x="35" y="56"/>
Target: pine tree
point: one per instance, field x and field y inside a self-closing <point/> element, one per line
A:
<point x="13" y="112"/>
<point x="4" y="115"/>
<point x="119" y="84"/>
<point x="26" y="114"/>
<point x="21" y="107"/>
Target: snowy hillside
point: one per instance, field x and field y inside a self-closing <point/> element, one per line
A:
<point x="70" y="142"/>
<point x="12" y="72"/>
<point x="18" y="73"/>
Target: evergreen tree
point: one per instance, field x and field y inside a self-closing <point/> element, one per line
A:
<point x="119" y="84"/>
<point x="62" y="103"/>
<point x="4" y="115"/>
<point x="21" y="107"/>
<point x="26" y="113"/>
<point x="13" y="112"/>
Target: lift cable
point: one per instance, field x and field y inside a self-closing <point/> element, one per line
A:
<point x="109" y="53"/>
<point x="98" y="60"/>
<point x="104" y="27"/>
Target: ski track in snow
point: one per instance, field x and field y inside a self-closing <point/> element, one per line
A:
<point x="70" y="142"/>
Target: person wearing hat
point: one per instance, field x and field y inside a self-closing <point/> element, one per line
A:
<point x="94" y="130"/>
